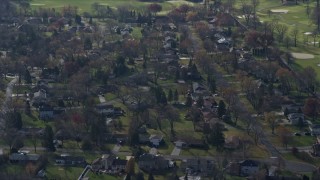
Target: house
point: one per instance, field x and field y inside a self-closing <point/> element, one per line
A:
<point x="109" y="162"/>
<point x="156" y="140"/>
<point x="248" y="167"/>
<point x="67" y="160"/>
<point x="46" y="112"/>
<point x="39" y="97"/>
<point x="198" y="166"/>
<point x="316" y="149"/>
<point x="105" y="109"/>
<point x="296" y="118"/>
<point x="232" y="142"/>
<point x="185" y="142"/>
<point x="291" y="108"/>
<point x="23" y="158"/>
<point x="315" y="129"/>
<point x="198" y="88"/>
<point x="152" y="163"/>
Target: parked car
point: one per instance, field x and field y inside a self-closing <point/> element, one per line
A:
<point x="297" y="134"/>
<point x="307" y="133"/>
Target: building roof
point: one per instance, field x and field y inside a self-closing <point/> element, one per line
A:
<point x="24" y="157"/>
<point x="119" y="162"/>
<point x="156" y="136"/>
<point x="249" y="163"/>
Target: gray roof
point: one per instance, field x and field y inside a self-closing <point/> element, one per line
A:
<point x="24" y="157"/>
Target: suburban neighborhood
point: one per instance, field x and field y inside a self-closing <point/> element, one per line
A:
<point x="160" y="90"/>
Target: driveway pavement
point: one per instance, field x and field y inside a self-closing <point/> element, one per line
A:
<point x="116" y="149"/>
<point x="176" y="151"/>
<point x="153" y="151"/>
<point x="102" y="99"/>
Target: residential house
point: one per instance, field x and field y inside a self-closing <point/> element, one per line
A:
<point x="315" y="129"/>
<point x="186" y="142"/>
<point x="291" y="108"/>
<point x="232" y="142"/>
<point x="29" y="131"/>
<point x="296" y="118"/>
<point x="152" y="163"/>
<point x="39" y="97"/>
<point x="198" y="166"/>
<point x="24" y="158"/>
<point x="67" y="160"/>
<point x="109" y="162"/>
<point x="316" y="149"/>
<point x="248" y="167"/>
<point x="46" y="112"/>
<point x="156" y="140"/>
<point x="105" y="109"/>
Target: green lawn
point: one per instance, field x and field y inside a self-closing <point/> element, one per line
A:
<point x="85" y="5"/>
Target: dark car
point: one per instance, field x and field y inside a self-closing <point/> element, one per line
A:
<point x="297" y="134"/>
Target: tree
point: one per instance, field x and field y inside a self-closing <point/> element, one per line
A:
<point x="48" y="138"/>
<point x="130" y="167"/>
<point x="295" y="34"/>
<point x="221" y="108"/>
<point x="27" y="77"/>
<point x="189" y="101"/>
<point x="139" y="176"/>
<point x="281" y="29"/>
<point x="34" y="140"/>
<point x="311" y="108"/>
<point x="155" y="8"/>
<point x="10" y="137"/>
<point x="270" y="118"/>
<point x="176" y="96"/>
<point x="150" y="177"/>
<point x="285" y="135"/>
<point x="216" y="136"/>
<point x="13" y="120"/>
<point x="27" y="109"/>
<point x="77" y="19"/>
<point x="170" y="95"/>
<point x="200" y="101"/>
<point x="86" y="145"/>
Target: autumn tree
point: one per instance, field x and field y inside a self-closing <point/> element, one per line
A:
<point x="216" y="136"/>
<point x="130" y="166"/>
<point x="154" y="8"/>
<point x="311" y="108"/>
<point x="285" y="135"/>
<point x="270" y="118"/>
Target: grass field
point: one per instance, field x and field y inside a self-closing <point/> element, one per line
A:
<point x="85" y="5"/>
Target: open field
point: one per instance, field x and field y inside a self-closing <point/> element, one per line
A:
<point x="293" y="16"/>
<point x="85" y="5"/>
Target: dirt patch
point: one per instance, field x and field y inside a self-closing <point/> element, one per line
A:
<point x="302" y="56"/>
<point x="284" y="11"/>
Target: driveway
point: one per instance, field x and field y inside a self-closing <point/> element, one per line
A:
<point x="116" y="149"/>
<point x="102" y="99"/>
<point x="153" y="151"/>
<point x="176" y="151"/>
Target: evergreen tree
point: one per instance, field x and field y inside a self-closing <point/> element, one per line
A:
<point x="48" y="138"/>
<point x="130" y="167"/>
<point x="200" y="101"/>
<point x="150" y="177"/>
<point x="189" y="101"/>
<point x="176" y="96"/>
<point x="221" y="108"/>
<point x="139" y="176"/>
<point x="212" y="85"/>
<point x="216" y="136"/>
<point x="27" y="77"/>
<point x="170" y="95"/>
<point x="27" y="109"/>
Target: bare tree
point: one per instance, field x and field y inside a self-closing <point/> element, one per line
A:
<point x="281" y="30"/>
<point x="295" y="33"/>
<point x="270" y="118"/>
